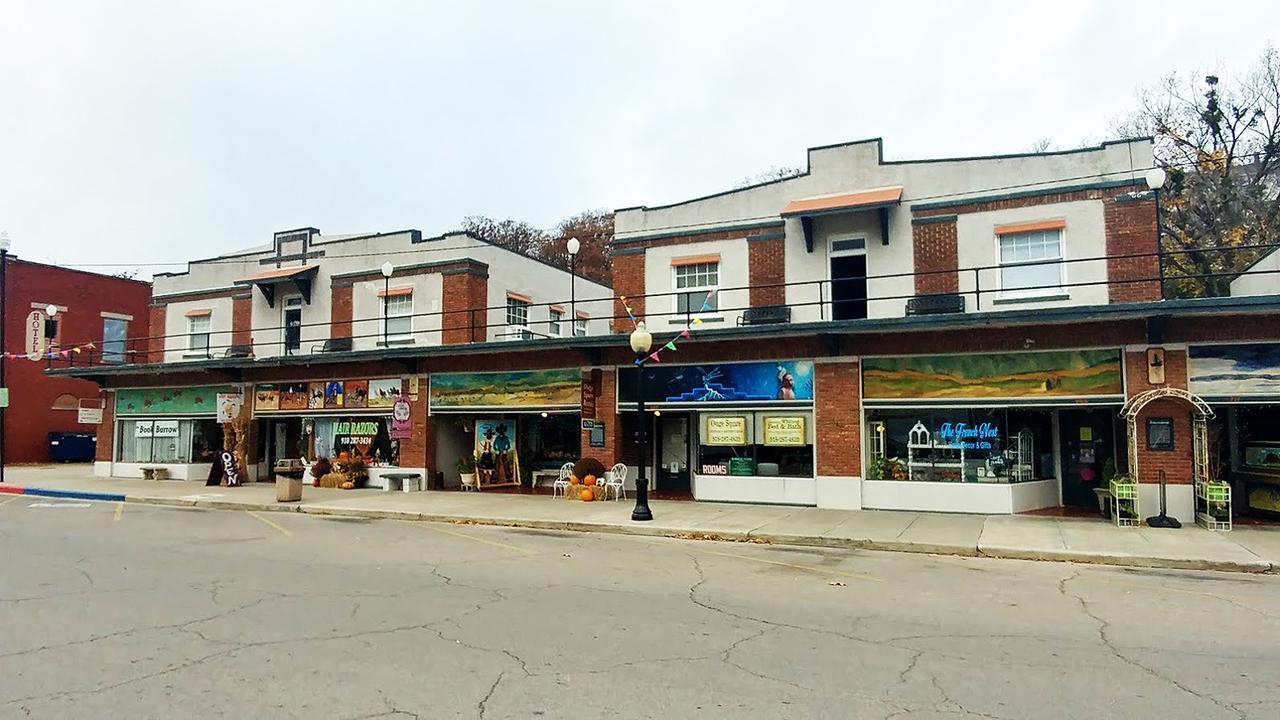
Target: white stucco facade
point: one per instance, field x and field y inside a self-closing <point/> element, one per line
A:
<point x="1263" y="278"/>
<point x="859" y="167"/>
<point x="209" y="287"/>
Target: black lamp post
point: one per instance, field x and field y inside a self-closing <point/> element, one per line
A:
<point x="4" y="292"/>
<point x="573" y="246"/>
<point x="641" y="342"/>
<point x="387" y="269"/>
<point x="1155" y="180"/>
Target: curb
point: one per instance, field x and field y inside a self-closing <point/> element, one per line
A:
<point x="642" y="530"/>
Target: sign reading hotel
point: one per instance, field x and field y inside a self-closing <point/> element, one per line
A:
<point x="788" y="430"/>
<point x="726" y="430"/>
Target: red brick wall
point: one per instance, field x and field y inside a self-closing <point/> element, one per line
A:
<point x="106" y="430"/>
<point x="1131" y="229"/>
<point x="155" y="334"/>
<point x="836" y="410"/>
<point x="415" y="451"/>
<point x="1176" y="463"/>
<point x="340" y="312"/>
<point x="242" y="320"/>
<point x="766" y="263"/>
<point x="466" y="293"/>
<point x="935" y="250"/>
<point x="628" y="282"/>
<point x="606" y="412"/>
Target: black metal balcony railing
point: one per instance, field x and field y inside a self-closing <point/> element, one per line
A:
<point x="474" y="325"/>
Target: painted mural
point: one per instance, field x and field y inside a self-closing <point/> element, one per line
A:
<point x="534" y="388"/>
<point x="1065" y="373"/>
<point x="725" y="382"/>
<point x="1235" y="370"/>
<point x="188" y="400"/>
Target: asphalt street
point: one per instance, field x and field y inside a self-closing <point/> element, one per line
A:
<point x="125" y="611"/>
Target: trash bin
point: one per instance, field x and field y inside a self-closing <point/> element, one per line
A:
<point x="71" y="447"/>
<point x="288" y="489"/>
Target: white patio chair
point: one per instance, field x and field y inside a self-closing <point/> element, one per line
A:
<point x="562" y="483"/>
<point x="616" y="480"/>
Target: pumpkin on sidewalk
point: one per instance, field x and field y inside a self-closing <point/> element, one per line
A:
<point x="587" y="495"/>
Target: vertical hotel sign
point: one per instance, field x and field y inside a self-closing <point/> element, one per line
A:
<point x="34" y="332"/>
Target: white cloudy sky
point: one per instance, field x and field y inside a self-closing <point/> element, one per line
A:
<point x="138" y="131"/>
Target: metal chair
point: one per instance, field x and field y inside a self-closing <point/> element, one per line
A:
<point x="616" y="480"/>
<point x="562" y="483"/>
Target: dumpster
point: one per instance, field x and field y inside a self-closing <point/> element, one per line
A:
<point x="71" y="447"/>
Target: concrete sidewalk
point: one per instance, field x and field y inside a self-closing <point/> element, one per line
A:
<point x="1031" y="538"/>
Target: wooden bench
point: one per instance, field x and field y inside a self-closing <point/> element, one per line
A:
<point x="154" y="472"/>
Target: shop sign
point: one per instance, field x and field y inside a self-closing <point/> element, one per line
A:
<point x="36" y="343"/>
<point x="762" y="382"/>
<point x="715" y="469"/>
<point x="229" y="406"/>
<point x="742" y="466"/>
<point x="89" y="415"/>
<point x="360" y="433"/>
<point x="968" y="437"/>
<point x="726" y="430"/>
<point x="595" y="432"/>
<point x="401" y="419"/>
<point x="156" y="429"/>
<point x="590" y="390"/>
<point x="785" y="430"/>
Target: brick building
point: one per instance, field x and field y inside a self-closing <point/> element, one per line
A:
<point x="948" y="335"/>
<point x="89" y="307"/>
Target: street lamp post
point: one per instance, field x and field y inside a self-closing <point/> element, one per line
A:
<point x="387" y="269"/>
<point x="4" y="293"/>
<point x="1155" y="180"/>
<point x="641" y="342"/>
<point x="573" y="246"/>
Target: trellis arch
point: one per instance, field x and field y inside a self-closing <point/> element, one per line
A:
<point x="1199" y="428"/>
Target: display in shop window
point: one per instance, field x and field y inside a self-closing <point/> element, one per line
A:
<point x="726" y="430"/>
<point x="498" y="462"/>
<point x="293" y="396"/>
<point x="958" y="446"/>
<point x="315" y="396"/>
<point x="383" y="393"/>
<point x="355" y="394"/>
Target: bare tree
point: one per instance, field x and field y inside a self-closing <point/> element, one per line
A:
<point x="1219" y="139"/>
<point x="594" y="231"/>
<point x="514" y="235"/>
<point x="777" y="172"/>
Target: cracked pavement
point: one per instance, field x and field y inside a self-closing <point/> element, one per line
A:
<point x="170" y="612"/>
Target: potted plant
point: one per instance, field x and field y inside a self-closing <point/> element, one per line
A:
<point x="466" y="467"/>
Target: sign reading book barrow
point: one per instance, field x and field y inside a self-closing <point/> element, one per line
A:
<point x="531" y="388"/>
<point x="1054" y="374"/>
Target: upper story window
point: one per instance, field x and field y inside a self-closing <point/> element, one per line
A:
<point x="695" y="285"/>
<point x="580" y="325"/>
<point x="115" y="331"/>
<point x="518" y="318"/>
<point x="399" y="313"/>
<point x="1031" y="260"/>
<point x="553" y="326"/>
<point x="198" y="330"/>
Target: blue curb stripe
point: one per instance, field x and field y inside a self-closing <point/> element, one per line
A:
<point x="75" y="494"/>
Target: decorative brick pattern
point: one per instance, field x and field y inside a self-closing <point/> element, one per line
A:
<point x="1131" y="229"/>
<point x="766" y="263"/>
<point x="628" y="282"/>
<point x="341" y="311"/>
<point x="466" y="294"/>
<point x="836" y="417"/>
<point x="937" y="259"/>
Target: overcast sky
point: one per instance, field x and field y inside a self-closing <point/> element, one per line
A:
<point x="155" y="131"/>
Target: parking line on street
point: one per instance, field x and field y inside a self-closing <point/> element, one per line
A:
<point x="119" y="510"/>
<point x="268" y="522"/>
<point x="495" y="543"/>
<point x="9" y="500"/>
<point x="807" y="568"/>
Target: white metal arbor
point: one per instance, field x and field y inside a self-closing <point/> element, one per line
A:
<point x="1201" y="412"/>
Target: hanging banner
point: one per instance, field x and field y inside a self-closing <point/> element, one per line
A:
<point x="36" y="344"/>
<point x="89" y="415"/>
<point x="401" y="419"/>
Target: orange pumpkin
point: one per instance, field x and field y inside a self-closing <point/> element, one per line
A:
<point x="573" y="480"/>
<point x="590" y="480"/>
<point x="587" y="495"/>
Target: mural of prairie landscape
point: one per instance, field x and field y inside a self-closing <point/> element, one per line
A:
<point x="1072" y="373"/>
<point x="169" y="400"/>
<point x="1235" y="370"/>
<point x="507" y="389"/>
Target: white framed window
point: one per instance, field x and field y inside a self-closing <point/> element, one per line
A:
<point x="518" y="319"/>
<point x="580" y="326"/>
<point x="1031" y="262"/>
<point x="399" y="314"/>
<point x="694" y="283"/>
<point x="553" y="326"/>
<point x="198" y="330"/>
<point x="115" y="331"/>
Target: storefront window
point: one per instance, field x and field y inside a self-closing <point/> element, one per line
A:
<point x="168" y="441"/>
<point x="546" y="443"/>
<point x="960" y="445"/>
<point x="760" y="443"/>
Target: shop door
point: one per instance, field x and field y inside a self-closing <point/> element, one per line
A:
<point x="673" y="453"/>
<point x="292" y="325"/>
<point x="1086" y="440"/>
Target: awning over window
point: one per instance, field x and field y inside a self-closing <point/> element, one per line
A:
<point x="266" y="281"/>
<point x="878" y="199"/>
